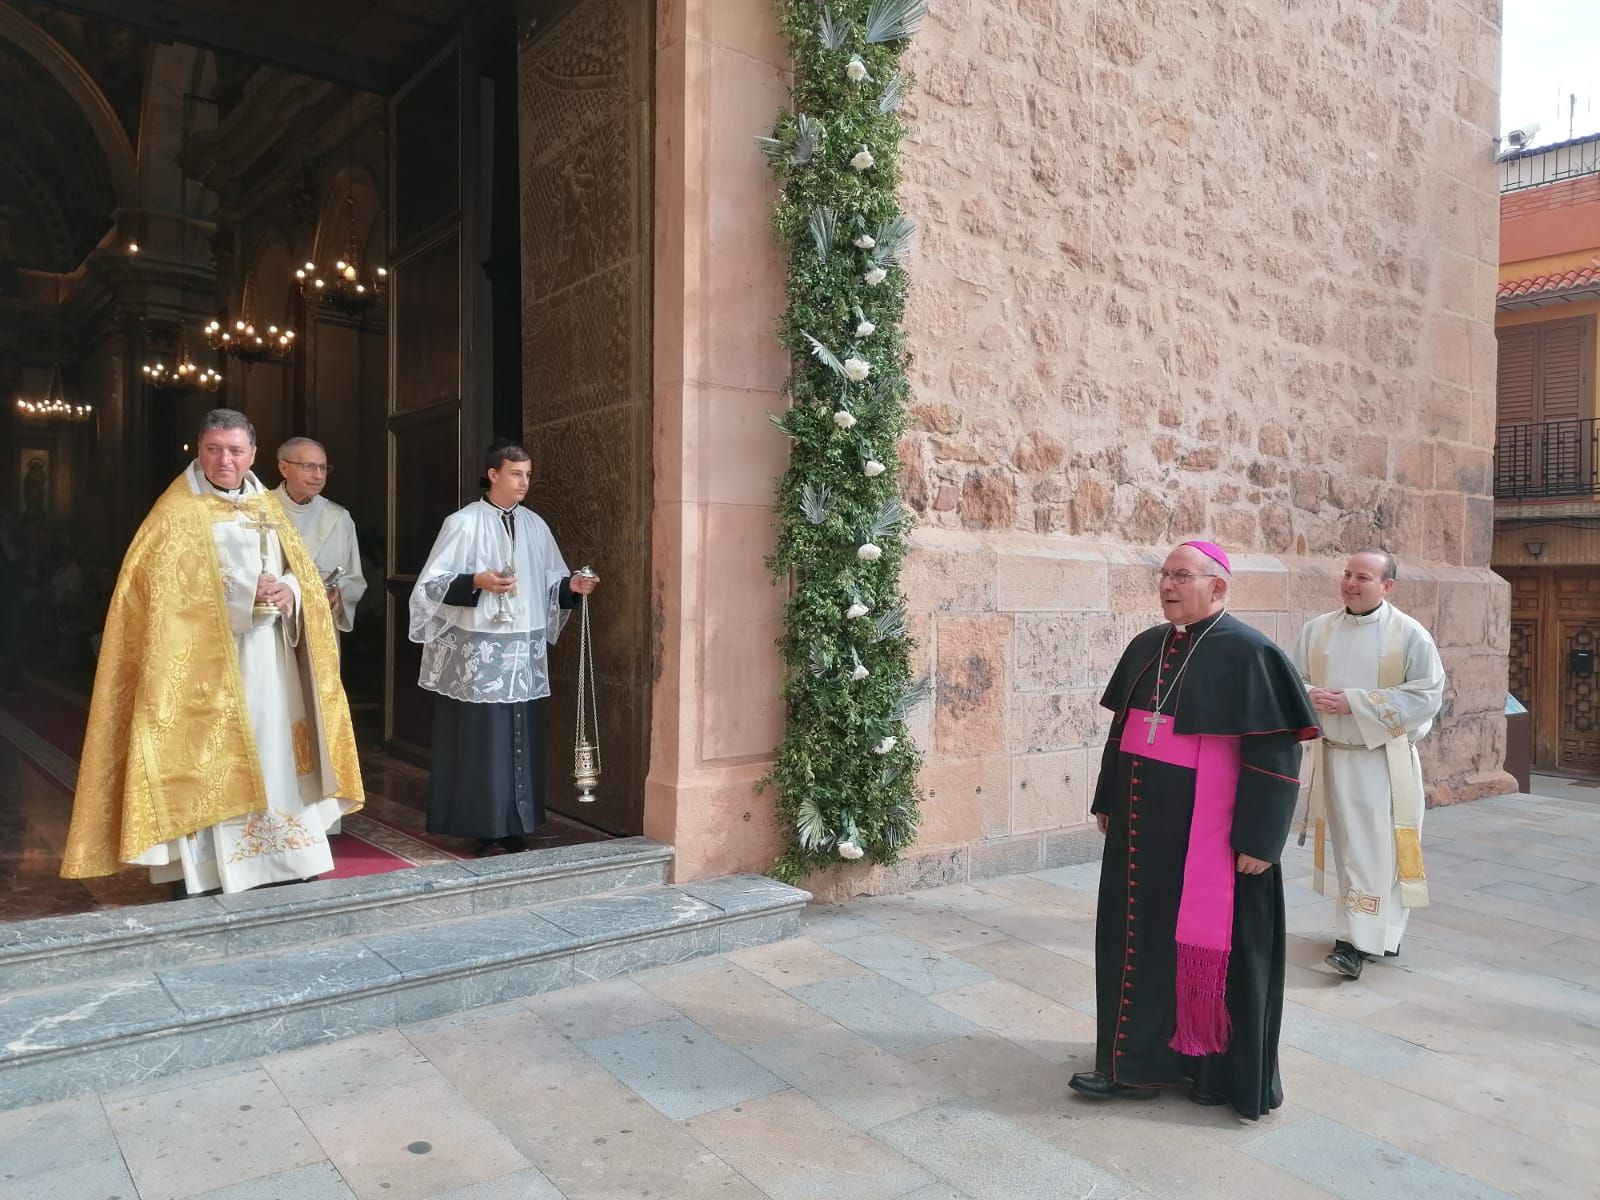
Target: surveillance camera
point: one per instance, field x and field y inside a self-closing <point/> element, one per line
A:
<point x="1519" y="138"/>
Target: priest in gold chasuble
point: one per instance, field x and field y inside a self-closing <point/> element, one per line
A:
<point x="219" y="748"/>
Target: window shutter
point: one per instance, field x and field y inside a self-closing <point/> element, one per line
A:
<point x="1515" y="378"/>
<point x="1561" y="371"/>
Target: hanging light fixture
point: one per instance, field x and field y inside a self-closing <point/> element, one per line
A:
<point x="244" y="341"/>
<point x="344" y="286"/>
<point x="53" y="405"/>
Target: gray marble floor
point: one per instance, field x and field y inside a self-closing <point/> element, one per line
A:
<point x="917" y="1047"/>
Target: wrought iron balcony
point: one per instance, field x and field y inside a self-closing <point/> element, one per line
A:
<point x="1548" y="458"/>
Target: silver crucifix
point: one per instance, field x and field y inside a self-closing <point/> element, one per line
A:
<point x="1155" y="721"/>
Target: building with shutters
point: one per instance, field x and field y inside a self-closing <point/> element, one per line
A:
<point x="1547" y="504"/>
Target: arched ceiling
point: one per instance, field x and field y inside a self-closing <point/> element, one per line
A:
<point x="57" y="196"/>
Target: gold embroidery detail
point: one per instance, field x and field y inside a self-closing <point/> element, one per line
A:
<point x="302" y="748"/>
<point x="1408" y="852"/>
<point x="1387" y="712"/>
<point x="1360" y="902"/>
<point x="272" y="832"/>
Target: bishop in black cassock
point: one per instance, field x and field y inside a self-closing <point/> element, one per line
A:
<point x="1196" y="795"/>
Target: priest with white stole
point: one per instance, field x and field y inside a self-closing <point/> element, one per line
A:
<point x="219" y="748"/>
<point x="1374" y="677"/>
<point x="491" y="598"/>
<point x="326" y="528"/>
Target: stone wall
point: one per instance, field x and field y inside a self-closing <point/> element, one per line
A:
<point x="1212" y="269"/>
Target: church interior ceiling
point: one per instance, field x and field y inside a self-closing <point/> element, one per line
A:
<point x="56" y="192"/>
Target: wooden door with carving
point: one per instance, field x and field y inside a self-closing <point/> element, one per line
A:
<point x="1554" y="665"/>
<point x="584" y="73"/>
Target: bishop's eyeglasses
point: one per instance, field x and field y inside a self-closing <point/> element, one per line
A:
<point x="313" y="468"/>
<point x="1181" y="577"/>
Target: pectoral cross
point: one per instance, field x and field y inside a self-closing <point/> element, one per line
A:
<point x="259" y="522"/>
<point x="1155" y="721"/>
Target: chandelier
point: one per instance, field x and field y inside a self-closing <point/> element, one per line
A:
<point x="53" y="405"/>
<point x="243" y="341"/>
<point x="185" y="375"/>
<point x="346" y="287"/>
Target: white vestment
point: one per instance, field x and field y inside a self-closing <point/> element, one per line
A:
<point x="288" y="839"/>
<point x="1370" y="779"/>
<point x="495" y="651"/>
<point x="329" y="533"/>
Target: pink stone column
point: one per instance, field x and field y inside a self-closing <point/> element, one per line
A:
<point x="717" y="714"/>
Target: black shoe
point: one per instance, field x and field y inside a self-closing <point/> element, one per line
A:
<point x="1097" y="1086"/>
<point x="1395" y="953"/>
<point x="1346" y="960"/>
<point x="488" y="848"/>
<point x="515" y="844"/>
<point x="1209" y="1099"/>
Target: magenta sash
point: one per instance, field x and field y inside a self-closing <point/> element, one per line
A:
<point x="1205" y="909"/>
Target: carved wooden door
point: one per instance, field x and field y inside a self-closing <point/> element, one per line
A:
<point x="584" y="123"/>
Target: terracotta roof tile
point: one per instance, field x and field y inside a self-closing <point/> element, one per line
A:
<point x="1550" y="283"/>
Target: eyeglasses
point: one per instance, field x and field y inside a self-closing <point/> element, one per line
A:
<point x="1181" y="577"/>
<point x="313" y="468"/>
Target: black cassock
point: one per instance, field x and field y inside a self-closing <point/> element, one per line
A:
<point x="487" y="776"/>
<point x="1237" y="683"/>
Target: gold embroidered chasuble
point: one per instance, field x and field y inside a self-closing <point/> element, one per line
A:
<point x="169" y="749"/>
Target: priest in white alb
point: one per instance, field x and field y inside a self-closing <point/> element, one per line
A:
<point x="219" y="748"/>
<point x="1374" y="677"/>
<point x="326" y="528"/>
<point x="489" y="601"/>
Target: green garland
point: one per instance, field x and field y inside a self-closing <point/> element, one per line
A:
<point x="846" y="771"/>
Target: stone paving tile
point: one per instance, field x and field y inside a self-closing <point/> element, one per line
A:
<point x="524" y="1185"/>
<point x="941" y="928"/>
<point x="680" y="1068"/>
<point x="789" y="965"/>
<point x="1053" y="976"/>
<point x="597" y="1009"/>
<point x="889" y="1016"/>
<point x="224" y="1131"/>
<point x="850" y="1076"/>
<point x="100" y="1177"/>
<point x="1356" y="1166"/>
<point x="987" y="1156"/>
<point x="1024" y="1018"/>
<point x="1366" y="1050"/>
<point x="320" y="1181"/>
<point x="736" y="1006"/>
<point x="793" y="1149"/>
<point x="322" y="1074"/>
<point x="909" y="963"/>
<point x="30" y="1145"/>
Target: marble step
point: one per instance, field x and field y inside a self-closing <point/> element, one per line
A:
<point x="60" y="950"/>
<point x="112" y="1032"/>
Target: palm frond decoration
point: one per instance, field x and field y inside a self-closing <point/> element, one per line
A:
<point x="780" y="422"/>
<point x="886" y="520"/>
<point x="775" y="149"/>
<point x="893" y="94"/>
<point x="808" y="135"/>
<point x="894" y="20"/>
<point x="911" y="699"/>
<point x="821" y="660"/>
<point x="890" y="623"/>
<point x="895" y="239"/>
<point x="811" y="825"/>
<point x="824" y="225"/>
<point x="825" y="356"/>
<point x="899" y="826"/>
<point x="816" y="502"/>
<point x="890" y="774"/>
<point x="833" y="33"/>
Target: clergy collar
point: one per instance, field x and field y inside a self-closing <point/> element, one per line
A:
<point x="499" y="508"/>
<point x="1201" y="625"/>
<point x="289" y="499"/>
<point x="1366" y="618"/>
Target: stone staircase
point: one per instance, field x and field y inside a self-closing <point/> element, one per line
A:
<point x="111" y="998"/>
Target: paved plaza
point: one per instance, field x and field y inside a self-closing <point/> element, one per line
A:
<point x="918" y="1046"/>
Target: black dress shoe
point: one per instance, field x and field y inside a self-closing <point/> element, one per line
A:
<point x="488" y="848"/>
<point x="1096" y="1085"/>
<point x="1209" y="1099"/>
<point x="1346" y="960"/>
<point x="515" y="844"/>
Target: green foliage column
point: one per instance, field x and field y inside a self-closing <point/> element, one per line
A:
<point x="846" y="772"/>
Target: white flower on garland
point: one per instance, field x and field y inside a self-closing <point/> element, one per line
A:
<point x="856" y="611"/>
<point x="856" y="70"/>
<point x="848" y="849"/>
<point x="875" y="276"/>
<point x="866" y="329"/>
<point x="867" y="552"/>
<point x="865" y="241"/>
<point x="857" y="369"/>
<point x="844" y="420"/>
<point x="863" y="160"/>
<point x="859" y="673"/>
<point x="888" y="744"/>
<point x="873" y="468"/>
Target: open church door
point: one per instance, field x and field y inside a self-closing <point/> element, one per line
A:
<point x="584" y="72"/>
<point x="436" y="418"/>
